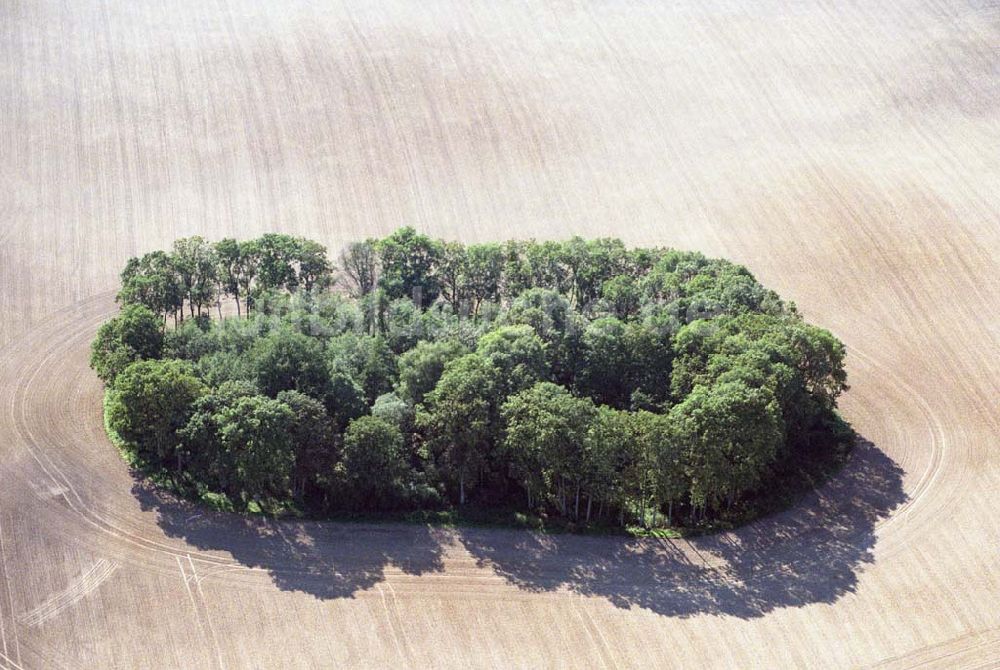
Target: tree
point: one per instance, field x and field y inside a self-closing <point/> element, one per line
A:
<point x="659" y="466"/>
<point x="409" y="263"/>
<point x="227" y="254"/>
<point x="360" y="263"/>
<point x="345" y="399"/>
<point x="558" y="325"/>
<point x="547" y="426"/>
<point x="614" y="454"/>
<point x="458" y="415"/>
<point x="606" y="373"/>
<point x="285" y="359"/>
<point x="516" y="276"/>
<point x="390" y="407"/>
<point x="152" y="281"/>
<point x="255" y="436"/>
<point x="315" y="269"/>
<point x="518" y="355"/>
<point x="366" y="359"/>
<point x="589" y="264"/>
<point x="196" y="265"/>
<point x="247" y="271"/>
<point x="421" y="367"/>
<point x="134" y="334"/>
<point x="149" y="402"/>
<point x="374" y="465"/>
<point x="731" y="433"/>
<point x="277" y="254"/>
<point x="451" y="272"/>
<point x="544" y="260"/>
<point x="483" y="274"/>
<point x="314" y="442"/>
<point x="622" y="295"/>
<point x="709" y="386"/>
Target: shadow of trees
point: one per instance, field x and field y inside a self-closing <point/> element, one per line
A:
<point x="810" y="554"/>
<point x="326" y="560"/>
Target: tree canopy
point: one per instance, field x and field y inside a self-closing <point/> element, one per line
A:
<point x="581" y="379"/>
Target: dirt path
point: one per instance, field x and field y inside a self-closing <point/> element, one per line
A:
<point x="847" y="153"/>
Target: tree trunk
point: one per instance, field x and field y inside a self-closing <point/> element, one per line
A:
<point x="236" y="295"/>
<point x="576" y="504"/>
<point x="461" y="489"/>
<point x="590" y="502"/>
<point x="670" y="513"/>
<point x="218" y="305"/>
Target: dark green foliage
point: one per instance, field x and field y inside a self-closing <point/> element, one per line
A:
<point x="546" y="440"/>
<point x="374" y="467"/>
<point x="365" y="358"/>
<point x="457" y="418"/>
<point x="255" y="438"/>
<point x="517" y="354"/>
<point x="285" y="360"/>
<point x="150" y="402"/>
<point x="314" y="440"/>
<point x="421" y="367"/>
<point x="409" y="262"/>
<point x="579" y="379"/>
<point x="196" y="265"/>
<point x="135" y="334"/>
<point x="152" y="281"/>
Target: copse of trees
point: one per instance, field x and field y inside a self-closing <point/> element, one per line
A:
<point x="580" y="379"/>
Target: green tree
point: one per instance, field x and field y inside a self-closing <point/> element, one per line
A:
<point x="483" y="274"/>
<point x="374" y="465"/>
<point x="390" y="407"/>
<point x="315" y="271"/>
<point x="313" y="440"/>
<point x="277" y="255"/>
<point x="367" y="360"/>
<point x="196" y="265"/>
<point x="731" y="433"/>
<point x="457" y="418"/>
<point x="613" y="455"/>
<point x="201" y="449"/>
<point x="409" y="262"/>
<point x="255" y="435"/>
<point x="152" y="280"/>
<point x="360" y="263"/>
<point x="607" y="372"/>
<point x="134" y="334"/>
<point x="547" y="426"/>
<point x="247" y="271"/>
<point x="227" y="254"/>
<point x="659" y="466"/>
<point x="149" y="402"/>
<point x="421" y="367"/>
<point x="588" y="264"/>
<point x="451" y="272"/>
<point x="558" y="325"/>
<point x="622" y="295"/>
<point x="518" y="355"/>
<point x="285" y="359"/>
